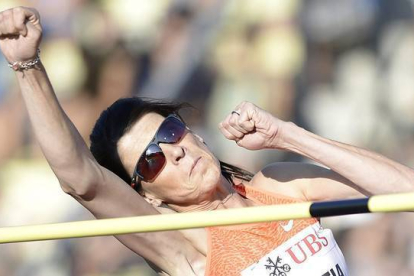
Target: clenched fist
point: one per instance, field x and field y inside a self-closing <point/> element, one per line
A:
<point x="252" y="127"/>
<point x="20" y="34"/>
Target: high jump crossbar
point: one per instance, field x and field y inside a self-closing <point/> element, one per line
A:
<point x="165" y="222"/>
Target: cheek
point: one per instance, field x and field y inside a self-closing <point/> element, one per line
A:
<point x="211" y="180"/>
<point x="215" y="161"/>
<point x="165" y="183"/>
<point x="210" y="176"/>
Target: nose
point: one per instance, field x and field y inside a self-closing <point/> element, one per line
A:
<point x="173" y="152"/>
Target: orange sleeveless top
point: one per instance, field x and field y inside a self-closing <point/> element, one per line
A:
<point x="231" y="249"/>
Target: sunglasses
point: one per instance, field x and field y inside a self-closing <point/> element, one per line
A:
<point x="152" y="160"/>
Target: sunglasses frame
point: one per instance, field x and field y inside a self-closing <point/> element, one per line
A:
<point x="136" y="176"/>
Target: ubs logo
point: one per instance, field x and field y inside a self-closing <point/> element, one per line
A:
<point x="308" y="246"/>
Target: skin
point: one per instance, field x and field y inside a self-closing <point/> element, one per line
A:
<point x="353" y="172"/>
<point x="174" y="184"/>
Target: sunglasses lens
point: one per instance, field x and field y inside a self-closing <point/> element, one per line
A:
<point x="171" y="131"/>
<point x="151" y="162"/>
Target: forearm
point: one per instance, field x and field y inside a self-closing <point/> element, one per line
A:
<point x="372" y="173"/>
<point x="59" y="140"/>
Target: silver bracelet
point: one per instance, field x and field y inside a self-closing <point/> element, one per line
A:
<point x="20" y="65"/>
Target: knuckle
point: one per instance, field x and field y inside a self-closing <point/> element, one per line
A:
<point x="7" y="13"/>
<point x="234" y="121"/>
<point x="226" y="134"/>
<point x="244" y="124"/>
<point x="249" y="104"/>
<point x="36" y="12"/>
<point x="239" y="135"/>
<point x="18" y="9"/>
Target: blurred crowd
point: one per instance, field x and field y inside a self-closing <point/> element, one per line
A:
<point x="343" y="69"/>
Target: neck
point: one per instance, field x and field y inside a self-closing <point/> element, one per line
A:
<point x="223" y="197"/>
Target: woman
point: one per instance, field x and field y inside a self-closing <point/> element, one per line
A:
<point x="147" y="145"/>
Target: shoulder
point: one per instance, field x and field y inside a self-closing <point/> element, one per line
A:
<point x="286" y="178"/>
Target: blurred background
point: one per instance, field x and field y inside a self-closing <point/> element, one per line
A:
<point x="343" y="69"/>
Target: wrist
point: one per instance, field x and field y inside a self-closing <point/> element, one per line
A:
<point x="35" y="78"/>
<point x="280" y="138"/>
<point x="20" y="66"/>
<point x="288" y="133"/>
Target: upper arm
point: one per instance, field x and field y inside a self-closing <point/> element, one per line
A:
<point x="305" y="181"/>
<point x="109" y="197"/>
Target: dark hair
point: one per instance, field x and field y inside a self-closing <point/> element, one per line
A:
<point x="117" y="120"/>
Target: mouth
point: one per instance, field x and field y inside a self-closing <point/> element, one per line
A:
<point x="193" y="166"/>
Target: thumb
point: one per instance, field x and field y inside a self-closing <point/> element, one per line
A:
<point x="30" y="28"/>
<point x="28" y="20"/>
<point x="31" y="15"/>
<point x="34" y="33"/>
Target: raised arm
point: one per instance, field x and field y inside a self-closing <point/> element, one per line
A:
<point x="368" y="172"/>
<point x="61" y="144"/>
<point x="99" y="190"/>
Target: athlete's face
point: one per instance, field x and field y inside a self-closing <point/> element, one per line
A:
<point x="191" y="172"/>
